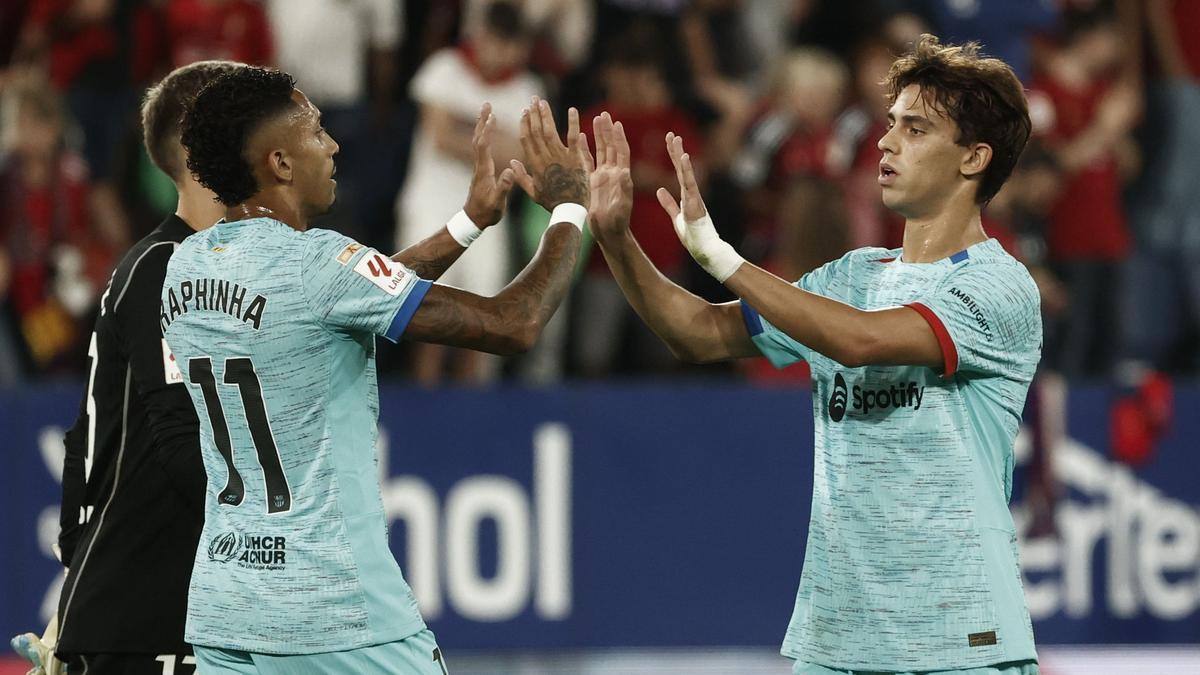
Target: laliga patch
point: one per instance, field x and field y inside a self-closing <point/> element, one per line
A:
<point x="170" y="365"/>
<point x="348" y="252"/>
<point x="382" y="271"/>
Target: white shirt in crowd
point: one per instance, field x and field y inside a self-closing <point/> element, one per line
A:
<point x="324" y="43"/>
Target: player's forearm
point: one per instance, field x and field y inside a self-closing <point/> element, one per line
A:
<point x="432" y="256"/>
<point x="533" y="296"/>
<point x="835" y="329"/>
<point x="679" y="318"/>
<point x="510" y="322"/>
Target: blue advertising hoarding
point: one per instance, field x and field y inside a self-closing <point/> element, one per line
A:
<point x="641" y="516"/>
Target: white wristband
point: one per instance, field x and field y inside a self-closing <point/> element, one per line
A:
<point x="463" y="229"/>
<point x="575" y="214"/>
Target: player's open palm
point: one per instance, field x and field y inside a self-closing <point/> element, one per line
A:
<point x="553" y="173"/>
<point x="693" y="226"/>
<point x="611" y="181"/>
<point x="488" y="193"/>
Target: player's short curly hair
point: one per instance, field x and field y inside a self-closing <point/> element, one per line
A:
<point x="220" y="121"/>
<point x="982" y="95"/>
<point x="164" y="104"/>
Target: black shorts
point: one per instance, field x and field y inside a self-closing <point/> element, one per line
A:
<point x="131" y="664"/>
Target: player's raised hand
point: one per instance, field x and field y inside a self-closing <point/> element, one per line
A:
<point x="692" y="205"/>
<point x="488" y="192"/>
<point x="553" y="173"/>
<point x="693" y="226"/>
<point x="611" y="182"/>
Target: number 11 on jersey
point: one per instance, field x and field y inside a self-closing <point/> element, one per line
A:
<point x="240" y="372"/>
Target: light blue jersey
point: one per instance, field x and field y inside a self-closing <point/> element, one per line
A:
<point x="274" y="332"/>
<point x="911" y="562"/>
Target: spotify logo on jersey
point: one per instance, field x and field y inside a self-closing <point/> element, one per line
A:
<point x="863" y="400"/>
<point x="837" y="402"/>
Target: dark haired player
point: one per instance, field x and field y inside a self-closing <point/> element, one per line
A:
<point x="921" y="358"/>
<point x="274" y="327"/>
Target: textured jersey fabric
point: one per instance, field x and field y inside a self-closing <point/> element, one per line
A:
<point x="911" y="561"/>
<point x="274" y="330"/>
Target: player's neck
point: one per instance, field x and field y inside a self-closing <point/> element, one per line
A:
<point x="942" y="235"/>
<point x="197" y="206"/>
<point x="269" y="204"/>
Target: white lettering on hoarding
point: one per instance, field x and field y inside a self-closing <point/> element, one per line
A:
<point x="533" y="538"/>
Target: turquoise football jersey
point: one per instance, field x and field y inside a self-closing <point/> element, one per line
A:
<point x="274" y="332"/>
<point x="911" y="562"/>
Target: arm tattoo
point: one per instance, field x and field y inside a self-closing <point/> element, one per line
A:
<point x="510" y="321"/>
<point x="561" y="185"/>
<point x="432" y="256"/>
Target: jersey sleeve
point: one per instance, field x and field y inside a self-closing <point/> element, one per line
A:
<point x="779" y="348"/>
<point x="74" y="486"/>
<point x="352" y="287"/>
<point x="987" y="319"/>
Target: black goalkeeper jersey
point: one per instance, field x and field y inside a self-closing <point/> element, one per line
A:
<point x="133" y="480"/>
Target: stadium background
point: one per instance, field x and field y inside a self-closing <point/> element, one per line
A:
<point x="605" y="509"/>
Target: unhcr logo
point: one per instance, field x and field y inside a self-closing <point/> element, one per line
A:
<point x="224" y="547"/>
<point x="837" y="402"/>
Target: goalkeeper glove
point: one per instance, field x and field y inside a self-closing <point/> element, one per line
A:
<point x="40" y="650"/>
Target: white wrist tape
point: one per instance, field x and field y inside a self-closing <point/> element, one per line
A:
<point x="575" y="214"/>
<point x="712" y="253"/>
<point x="463" y="229"/>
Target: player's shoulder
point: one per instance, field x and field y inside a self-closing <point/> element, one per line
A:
<point x="319" y="242"/>
<point x="988" y="268"/>
<point x="988" y="259"/>
<point x="144" y="265"/>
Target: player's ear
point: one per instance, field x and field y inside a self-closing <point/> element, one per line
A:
<point x="976" y="159"/>
<point x="280" y="164"/>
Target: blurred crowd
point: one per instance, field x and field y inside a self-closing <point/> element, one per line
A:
<point x="779" y="102"/>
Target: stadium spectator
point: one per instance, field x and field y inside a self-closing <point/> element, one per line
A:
<point x="1164" y="270"/>
<point x="1005" y="29"/>
<point x="233" y="30"/>
<point x="786" y="167"/>
<point x="562" y="32"/>
<point x="607" y="332"/>
<point x="1084" y="115"/>
<point x="856" y="136"/>
<point x="55" y="262"/>
<point x="84" y="47"/>
<point x="448" y="89"/>
<point x="1162" y="294"/>
<point x="345" y="57"/>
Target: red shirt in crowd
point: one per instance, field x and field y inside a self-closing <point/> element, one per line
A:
<point x="73" y="45"/>
<point x="34" y="220"/>
<point x="1186" y="14"/>
<point x="1087" y="221"/>
<point x="236" y="30"/>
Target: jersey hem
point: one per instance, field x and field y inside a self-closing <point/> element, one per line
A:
<point x="796" y="654"/>
<point x="276" y="649"/>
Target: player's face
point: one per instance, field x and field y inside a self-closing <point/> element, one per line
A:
<point x="921" y="167"/>
<point x="314" y="150"/>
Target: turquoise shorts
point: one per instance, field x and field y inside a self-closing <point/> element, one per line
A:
<point x="1015" y="668"/>
<point x="415" y="655"/>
